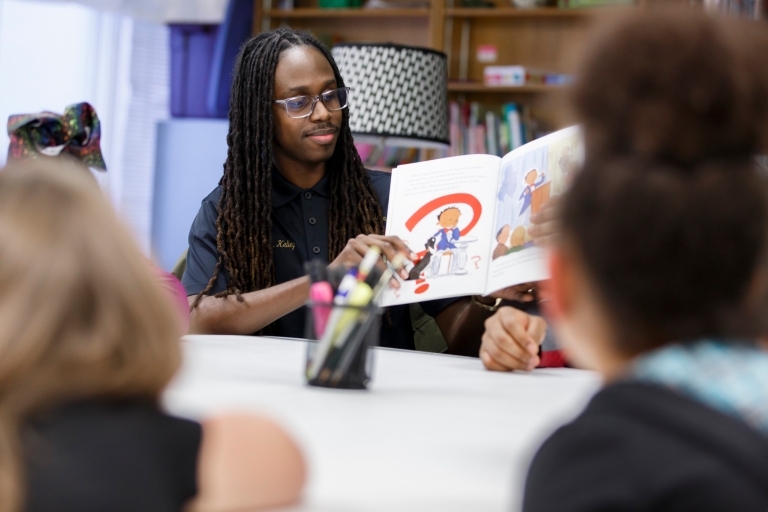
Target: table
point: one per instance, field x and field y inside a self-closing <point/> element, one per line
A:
<point x="434" y="433"/>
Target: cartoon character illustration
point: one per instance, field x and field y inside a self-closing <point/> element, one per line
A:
<point x="532" y="181"/>
<point x="502" y="237"/>
<point x="416" y="271"/>
<point x="445" y="238"/>
<point x="534" y="191"/>
<point x="518" y="237"/>
<point x="448" y="220"/>
<point x="519" y="240"/>
<point x="447" y="250"/>
<point x="511" y="241"/>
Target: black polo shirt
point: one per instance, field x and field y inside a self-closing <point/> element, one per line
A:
<point x="299" y="234"/>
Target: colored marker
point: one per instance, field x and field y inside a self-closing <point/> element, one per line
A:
<point x="348" y="285"/>
<point x="321" y="295"/>
<point x="369" y="262"/>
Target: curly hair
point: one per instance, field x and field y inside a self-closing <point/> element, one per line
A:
<point x="669" y="215"/>
<point x="244" y="224"/>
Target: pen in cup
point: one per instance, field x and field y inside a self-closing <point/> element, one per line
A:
<point x="347" y="286"/>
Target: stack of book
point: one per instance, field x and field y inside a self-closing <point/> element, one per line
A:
<point x="495" y="131"/>
<point x="511" y="76"/>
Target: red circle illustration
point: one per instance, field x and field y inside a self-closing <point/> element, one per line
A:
<point x="469" y="199"/>
<point x="477" y="210"/>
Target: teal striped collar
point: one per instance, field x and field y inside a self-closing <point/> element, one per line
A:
<point x="731" y="377"/>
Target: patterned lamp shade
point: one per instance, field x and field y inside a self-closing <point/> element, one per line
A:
<point x="399" y="93"/>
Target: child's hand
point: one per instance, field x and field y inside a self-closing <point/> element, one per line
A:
<point x="511" y="340"/>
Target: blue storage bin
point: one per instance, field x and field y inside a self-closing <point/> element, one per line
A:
<point x="192" y="52"/>
<point x="235" y="30"/>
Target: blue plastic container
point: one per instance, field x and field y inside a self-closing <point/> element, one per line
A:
<point x="192" y="52"/>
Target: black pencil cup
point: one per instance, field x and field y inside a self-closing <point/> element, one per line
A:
<point x="338" y="354"/>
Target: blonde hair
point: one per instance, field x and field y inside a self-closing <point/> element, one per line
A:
<point x="81" y="315"/>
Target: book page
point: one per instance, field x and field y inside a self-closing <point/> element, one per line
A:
<point x="529" y="176"/>
<point x="443" y="210"/>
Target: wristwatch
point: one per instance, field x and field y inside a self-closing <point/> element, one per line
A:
<point x="488" y="307"/>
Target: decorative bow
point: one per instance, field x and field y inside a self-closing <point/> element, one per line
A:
<point x="76" y="132"/>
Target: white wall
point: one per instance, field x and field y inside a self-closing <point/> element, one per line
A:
<point x="39" y="65"/>
<point x="163" y="11"/>
<point x="55" y="54"/>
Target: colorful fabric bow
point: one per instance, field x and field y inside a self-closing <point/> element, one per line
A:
<point x="76" y="132"/>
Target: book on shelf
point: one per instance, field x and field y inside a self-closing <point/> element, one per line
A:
<point x="468" y="217"/>
<point x="511" y="76"/>
<point x="475" y="128"/>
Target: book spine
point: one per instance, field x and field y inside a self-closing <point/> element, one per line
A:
<point x="464" y="129"/>
<point x="515" y="132"/>
<point x="492" y="133"/>
<point x="455" y="130"/>
<point x="474" y="143"/>
<point x="503" y="136"/>
<point x="482" y="147"/>
<point x="527" y="124"/>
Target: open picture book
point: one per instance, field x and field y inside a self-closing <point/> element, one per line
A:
<point x="468" y="217"/>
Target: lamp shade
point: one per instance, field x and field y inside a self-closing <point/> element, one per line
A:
<point x="398" y="92"/>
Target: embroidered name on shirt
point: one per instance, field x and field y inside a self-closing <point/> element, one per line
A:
<point x="285" y="244"/>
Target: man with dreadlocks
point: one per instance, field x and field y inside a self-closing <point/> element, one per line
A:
<point x="294" y="189"/>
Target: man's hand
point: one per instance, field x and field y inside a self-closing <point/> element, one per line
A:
<point x="525" y="292"/>
<point x="546" y="223"/>
<point x="511" y="340"/>
<point x="355" y="250"/>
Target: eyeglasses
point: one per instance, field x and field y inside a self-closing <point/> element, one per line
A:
<point x="303" y="106"/>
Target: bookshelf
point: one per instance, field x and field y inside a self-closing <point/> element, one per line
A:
<point x="514" y="12"/>
<point x="311" y="12"/>
<point x="480" y="87"/>
<point x="545" y="38"/>
<point x="406" y="25"/>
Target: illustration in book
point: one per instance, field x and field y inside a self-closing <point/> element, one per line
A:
<point x="528" y="183"/>
<point x="468" y="217"/>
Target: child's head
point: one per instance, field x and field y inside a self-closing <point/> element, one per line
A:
<point x="503" y="234"/>
<point x="680" y="86"/>
<point x="518" y="237"/>
<point x="90" y="305"/>
<point x="530" y="177"/>
<point x="665" y="225"/>
<point x="449" y="218"/>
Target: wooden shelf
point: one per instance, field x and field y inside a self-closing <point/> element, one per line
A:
<point x="481" y="87"/>
<point x="345" y="13"/>
<point x="513" y="12"/>
<point x="543" y="38"/>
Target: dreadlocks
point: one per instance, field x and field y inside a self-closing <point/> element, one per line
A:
<point x="244" y="225"/>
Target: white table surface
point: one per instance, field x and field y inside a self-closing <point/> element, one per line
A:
<point x="433" y="432"/>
